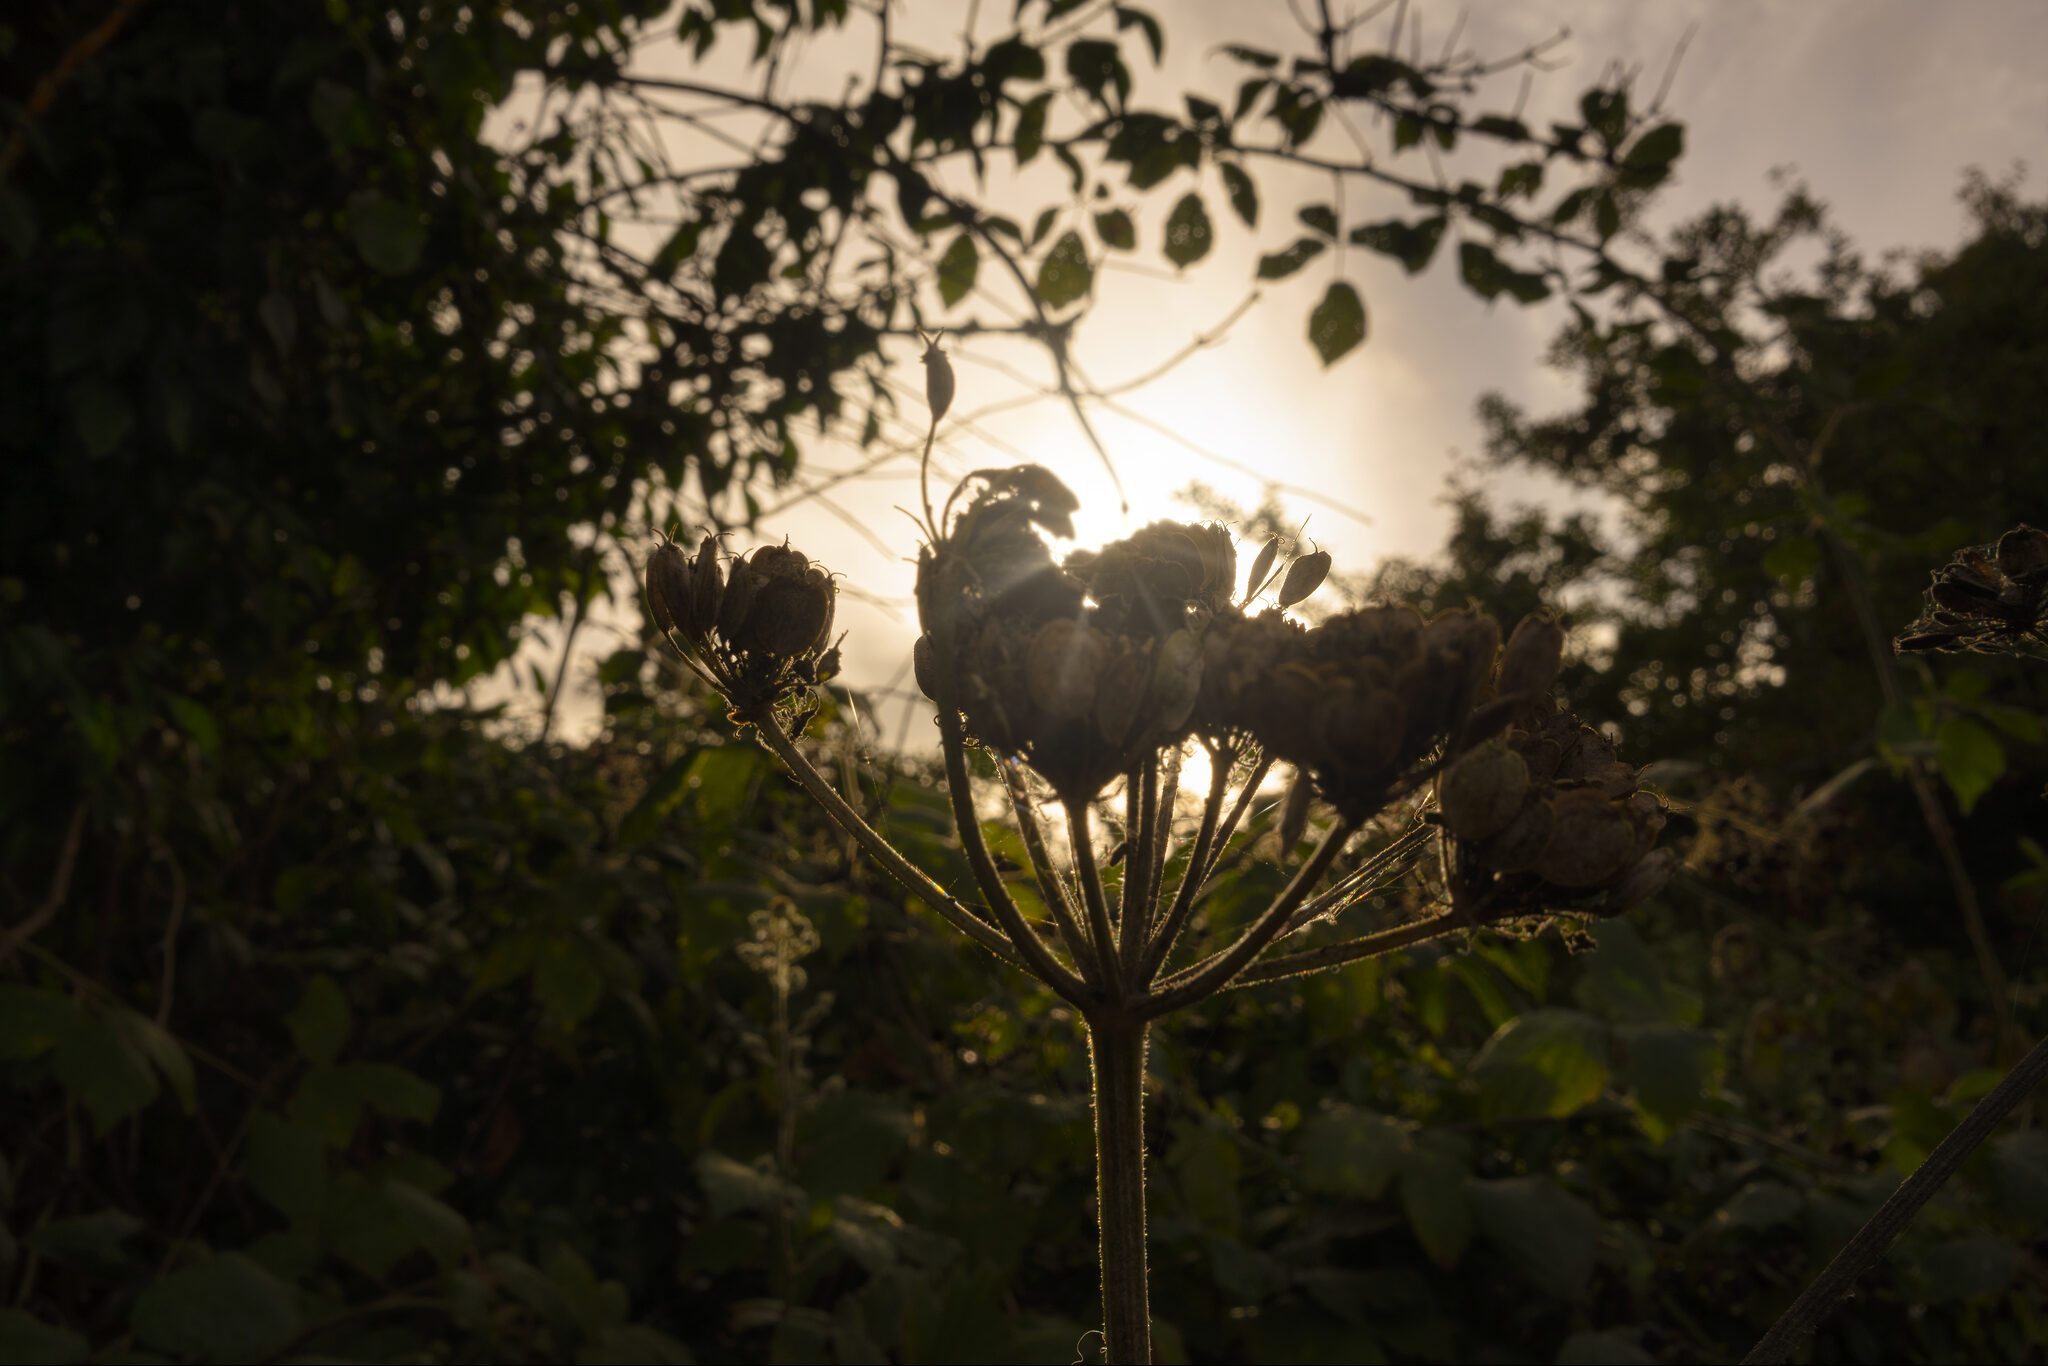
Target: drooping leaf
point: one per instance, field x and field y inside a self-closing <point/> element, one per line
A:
<point x="226" y="1308"/>
<point x="1548" y="1062"/>
<point x="958" y="268"/>
<point x="1970" y="759"/>
<point x="1065" y="275"/>
<point x="1338" y="322"/>
<point x="1188" y="232"/>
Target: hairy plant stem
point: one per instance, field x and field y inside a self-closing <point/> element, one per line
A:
<point x="1862" y="1251"/>
<point x="1116" y="1051"/>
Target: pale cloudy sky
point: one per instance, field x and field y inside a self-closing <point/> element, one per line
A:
<point x="1878" y="105"/>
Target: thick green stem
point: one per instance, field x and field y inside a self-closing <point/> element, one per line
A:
<point x="1116" y="1047"/>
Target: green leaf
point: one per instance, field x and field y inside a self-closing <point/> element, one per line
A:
<point x="1281" y="264"/>
<point x="1759" y="1205"/>
<point x="1971" y="1267"/>
<point x="227" y="1308"/>
<point x="567" y="981"/>
<point x="1412" y="244"/>
<point x="957" y="269"/>
<point x="94" y="1241"/>
<point x="24" y="1338"/>
<point x="1030" y="134"/>
<point x="731" y="1186"/>
<point x="1970" y="758"/>
<point x="388" y="235"/>
<point x="102" y="415"/>
<point x="1206" y="1163"/>
<point x="2018" y="1169"/>
<point x="1793" y="560"/>
<point x="1188" y="234"/>
<point x="1550" y="1235"/>
<point x="1065" y="276"/>
<point x="1350" y="1152"/>
<point x="1667" y="1069"/>
<point x="320" y="1023"/>
<point x="286" y="1164"/>
<point x="1116" y="230"/>
<point x="1338" y="322"/>
<point x="100" y="1066"/>
<point x="1548" y="1062"/>
<point x="1244" y="195"/>
<point x="1624" y="982"/>
<point x="33" y="1021"/>
<point x="1656" y="149"/>
<point x="1155" y="37"/>
<point x="1320" y="218"/>
<point x="1435" y="1196"/>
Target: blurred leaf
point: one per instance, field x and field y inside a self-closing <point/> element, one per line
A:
<point x="1970" y="1267"/>
<point x="2018" y="1167"/>
<point x="1435" y="1195"/>
<point x="957" y="269"/>
<point x="1667" y="1069"/>
<point x="95" y="1241"/>
<point x="102" y="1068"/>
<point x="34" y="1020"/>
<point x="320" y="1023"/>
<point x="1338" y="322"/>
<point x="1065" y="276"/>
<point x="389" y="236"/>
<point x="1548" y="1062"/>
<point x="1188" y="234"/>
<point x="1205" y="1162"/>
<point x="225" y="1308"/>
<point x="25" y="1338"/>
<point x="1281" y="264"/>
<point x="1551" y="1235"/>
<point x="1608" y="1347"/>
<point x="1244" y="195"/>
<point x="1351" y="1152"/>
<point x="1115" y="229"/>
<point x="731" y="1186"/>
<point x="286" y="1164"/>
<point x="1970" y="758"/>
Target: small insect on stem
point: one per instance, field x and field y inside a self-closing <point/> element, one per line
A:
<point x="938" y="394"/>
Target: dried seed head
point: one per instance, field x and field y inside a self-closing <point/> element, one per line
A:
<point x="1120" y="698"/>
<point x="1064" y="665"/>
<point x="1516" y="848"/>
<point x="1483" y="791"/>
<point x="1592" y="843"/>
<point x="1304" y="577"/>
<point x="668" y="587"/>
<point x="1176" y="680"/>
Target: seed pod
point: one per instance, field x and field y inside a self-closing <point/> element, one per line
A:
<point x="1119" y="697"/>
<point x="924" y="663"/>
<point x="668" y="586"/>
<point x="787" y="616"/>
<point x="1294" y="816"/>
<point x="1063" y="666"/>
<point x="740" y="590"/>
<point x="1591" y="843"/>
<point x="1643" y="881"/>
<point x="938" y="379"/>
<point x="1483" y="791"/>
<point x="1304" y="577"/>
<point x="1614" y="779"/>
<point x="1528" y="666"/>
<point x="1176" y="680"/>
<point x="707" y="588"/>
<point x="1516" y="849"/>
<point x="1262" y="567"/>
<point x="1360" y="731"/>
<point x="2023" y="551"/>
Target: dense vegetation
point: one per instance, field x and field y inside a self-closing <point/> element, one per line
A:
<point x="338" y="1021"/>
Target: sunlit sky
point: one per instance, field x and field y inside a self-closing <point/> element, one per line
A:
<point x="1877" y="105"/>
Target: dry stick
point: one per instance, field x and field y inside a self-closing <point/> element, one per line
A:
<point x="60" y="889"/>
<point x="762" y="718"/>
<point x="45" y="94"/>
<point x="1050" y="890"/>
<point x="1083" y="841"/>
<point x="1169" y="929"/>
<point x="1212" y="974"/>
<point x="1869" y="1244"/>
<point x="960" y="788"/>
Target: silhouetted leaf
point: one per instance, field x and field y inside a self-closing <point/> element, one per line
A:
<point x="1338" y="322"/>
